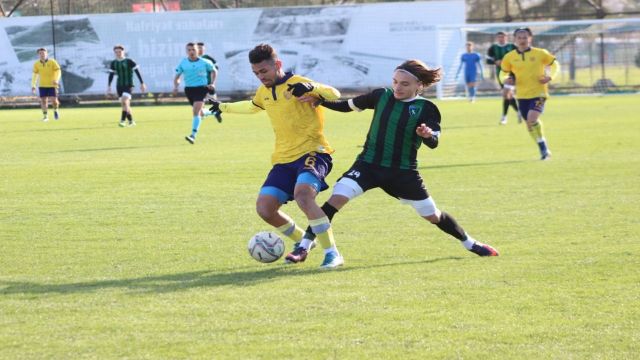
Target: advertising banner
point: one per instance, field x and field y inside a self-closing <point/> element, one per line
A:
<point x="355" y="46"/>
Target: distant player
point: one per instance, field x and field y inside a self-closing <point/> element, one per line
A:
<point x="494" y="57"/>
<point x="48" y="72"/>
<point x="402" y="122"/>
<point x="472" y="62"/>
<point x="211" y="93"/>
<point x="124" y="68"/>
<point x="530" y="69"/>
<point x="301" y="159"/>
<point x="198" y="81"/>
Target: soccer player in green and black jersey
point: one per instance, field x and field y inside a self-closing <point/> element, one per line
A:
<point x="402" y="122"/>
<point x="211" y="93"/>
<point x="124" y="68"/>
<point x="494" y="57"/>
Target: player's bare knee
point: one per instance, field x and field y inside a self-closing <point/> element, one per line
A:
<point x="434" y="219"/>
<point x="338" y="201"/>
<point x="265" y="210"/>
<point x="304" y="197"/>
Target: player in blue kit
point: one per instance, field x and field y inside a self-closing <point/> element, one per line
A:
<point x="198" y="80"/>
<point x="472" y="66"/>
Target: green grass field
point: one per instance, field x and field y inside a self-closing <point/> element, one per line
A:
<point x="131" y="243"/>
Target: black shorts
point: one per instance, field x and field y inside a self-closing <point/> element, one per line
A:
<point x="195" y="93"/>
<point x="399" y="183"/>
<point x="124" y="89"/>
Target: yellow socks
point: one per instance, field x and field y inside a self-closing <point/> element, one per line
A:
<point x="536" y="131"/>
<point x="291" y="230"/>
<point x="322" y="228"/>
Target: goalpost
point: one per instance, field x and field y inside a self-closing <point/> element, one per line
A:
<point x="596" y="56"/>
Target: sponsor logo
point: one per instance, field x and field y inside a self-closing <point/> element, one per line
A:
<point x="414" y="110"/>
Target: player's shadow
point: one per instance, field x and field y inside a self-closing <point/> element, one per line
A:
<point x="189" y="280"/>
<point x="60" y="129"/>
<point x="457" y="127"/>
<point x="489" y="163"/>
<point x="114" y="148"/>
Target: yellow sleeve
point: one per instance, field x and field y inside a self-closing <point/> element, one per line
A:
<point x="240" y="107"/>
<point x="257" y="99"/>
<point x="505" y="65"/>
<point x="34" y="76"/>
<point x="555" y="69"/>
<point x="325" y="91"/>
<point x="57" y="73"/>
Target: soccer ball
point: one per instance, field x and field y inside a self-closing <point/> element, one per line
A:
<point x="266" y="247"/>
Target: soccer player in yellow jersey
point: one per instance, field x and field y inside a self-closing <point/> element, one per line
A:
<point x="530" y="69"/>
<point x="49" y="73"/>
<point x="301" y="159"/>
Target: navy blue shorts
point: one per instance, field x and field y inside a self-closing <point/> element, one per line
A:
<point x="48" y="92"/>
<point x="311" y="169"/>
<point x="535" y="104"/>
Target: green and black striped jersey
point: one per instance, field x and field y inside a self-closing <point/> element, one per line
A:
<point x="392" y="140"/>
<point x="123" y="69"/>
<point x="215" y="66"/>
<point x="497" y="52"/>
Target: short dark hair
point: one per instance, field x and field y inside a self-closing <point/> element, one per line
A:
<point x="200" y="43"/>
<point x="118" y="47"/>
<point x="525" y="29"/>
<point x="41" y="49"/>
<point x="190" y="44"/>
<point x="501" y="33"/>
<point x="261" y="53"/>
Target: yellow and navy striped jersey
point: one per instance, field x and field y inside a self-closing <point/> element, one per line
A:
<point x="528" y="67"/>
<point x="48" y="71"/>
<point x="298" y="127"/>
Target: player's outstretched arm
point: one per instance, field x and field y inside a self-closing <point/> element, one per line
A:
<point x="325" y="91"/>
<point x="238" y="107"/>
<point x="337" y="105"/>
<point x="358" y="103"/>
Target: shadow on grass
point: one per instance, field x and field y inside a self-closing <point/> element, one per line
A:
<point x="189" y="280"/>
<point x="491" y="163"/>
<point x="61" y="129"/>
<point x="456" y="127"/>
<point x="115" y="148"/>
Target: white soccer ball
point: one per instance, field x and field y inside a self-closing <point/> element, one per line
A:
<point x="266" y="247"/>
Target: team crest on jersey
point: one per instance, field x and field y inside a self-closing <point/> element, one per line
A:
<point x="414" y="110"/>
<point x="533" y="58"/>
